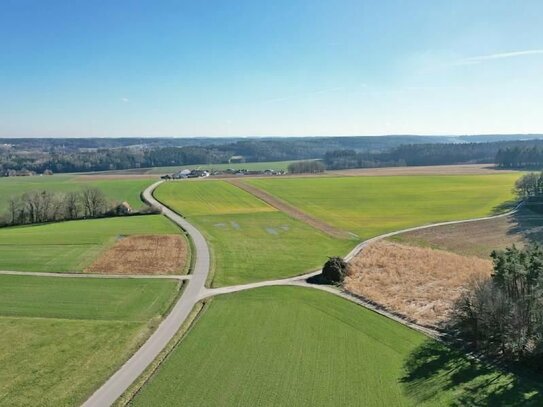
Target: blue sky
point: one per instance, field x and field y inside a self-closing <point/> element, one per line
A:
<point x="225" y="68"/>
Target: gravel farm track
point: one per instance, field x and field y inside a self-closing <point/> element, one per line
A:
<point x="196" y="291"/>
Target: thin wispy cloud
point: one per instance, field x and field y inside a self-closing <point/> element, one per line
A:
<point x="501" y="55"/>
<point x="125" y="100"/>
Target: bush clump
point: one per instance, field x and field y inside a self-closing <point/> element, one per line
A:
<point x="335" y="270"/>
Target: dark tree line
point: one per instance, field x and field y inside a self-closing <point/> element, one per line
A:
<point x="520" y="157"/>
<point x="503" y="315"/>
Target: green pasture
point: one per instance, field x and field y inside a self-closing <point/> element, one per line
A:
<point x="115" y="189"/>
<point x="72" y="245"/>
<point x="250" y="240"/>
<point x="292" y="346"/>
<point x="62" y="338"/>
<point x="369" y="206"/>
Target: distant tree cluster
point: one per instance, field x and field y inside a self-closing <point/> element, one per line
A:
<point x="530" y="186"/>
<point x="46" y="206"/>
<point x="306" y="167"/>
<point x="503" y="315"/>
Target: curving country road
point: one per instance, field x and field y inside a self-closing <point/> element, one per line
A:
<point x="116" y="385"/>
<point x="195" y="291"/>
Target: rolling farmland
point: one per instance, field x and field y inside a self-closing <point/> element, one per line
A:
<point x="299" y="347"/>
<point x="369" y="206"/>
<point x="70" y="246"/>
<point x="250" y="240"/>
<point x="62" y="337"/>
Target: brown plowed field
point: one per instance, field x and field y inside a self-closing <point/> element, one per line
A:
<point x="418" y="283"/>
<point x="144" y="254"/>
<point x="461" y="169"/>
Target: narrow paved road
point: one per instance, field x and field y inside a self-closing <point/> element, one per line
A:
<point x="117" y="384"/>
<point x="134" y="367"/>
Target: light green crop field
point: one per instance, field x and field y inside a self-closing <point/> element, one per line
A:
<point x="71" y="246"/>
<point x="250" y="240"/>
<point x="292" y="346"/>
<point x="369" y="206"/>
<point x="62" y="338"/>
<point x="115" y="189"/>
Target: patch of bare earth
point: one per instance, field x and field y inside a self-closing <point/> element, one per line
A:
<point x="464" y="169"/>
<point x="417" y="283"/>
<point x="143" y="254"/>
<point x="291" y="210"/>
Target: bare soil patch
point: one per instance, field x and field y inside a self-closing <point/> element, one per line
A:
<point x="144" y="254"/>
<point x="463" y="169"/>
<point x="291" y="210"/>
<point x="481" y="237"/>
<point x="420" y="284"/>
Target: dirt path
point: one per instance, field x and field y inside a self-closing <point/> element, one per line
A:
<point x="291" y="210"/>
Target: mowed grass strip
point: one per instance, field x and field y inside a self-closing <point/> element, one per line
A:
<point x="250" y="240"/>
<point x="292" y="346"/>
<point x="71" y="246"/>
<point x="115" y="189"/>
<point x="61" y="338"/>
<point x="369" y="206"/>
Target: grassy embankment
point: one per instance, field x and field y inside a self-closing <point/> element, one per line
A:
<point x="62" y="337"/>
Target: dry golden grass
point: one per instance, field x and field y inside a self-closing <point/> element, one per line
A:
<point x="418" y="283"/>
<point x="143" y="254"/>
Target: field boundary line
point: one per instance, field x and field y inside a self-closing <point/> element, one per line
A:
<point x="88" y="275"/>
<point x="290" y="210"/>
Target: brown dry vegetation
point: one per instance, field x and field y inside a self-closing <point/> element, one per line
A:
<point x="481" y="237"/>
<point x="144" y="254"/>
<point x="418" y="283"/>
<point x="463" y="169"/>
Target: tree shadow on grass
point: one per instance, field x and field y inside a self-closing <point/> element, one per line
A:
<point x="439" y="374"/>
<point x="504" y="207"/>
<point x="528" y="222"/>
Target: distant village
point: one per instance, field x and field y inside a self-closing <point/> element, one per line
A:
<point x="200" y="173"/>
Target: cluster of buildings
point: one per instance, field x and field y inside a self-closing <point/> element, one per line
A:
<point x="186" y="173"/>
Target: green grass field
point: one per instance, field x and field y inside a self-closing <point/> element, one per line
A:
<point x="250" y="240"/>
<point x="70" y="246"/>
<point x="291" y="346"/>
<point x="369" y="206"/>
<point x="61" y="338"/>
<point x="115" y="189"/>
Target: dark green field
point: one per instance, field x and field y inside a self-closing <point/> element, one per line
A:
<point x="289" y="346"/>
